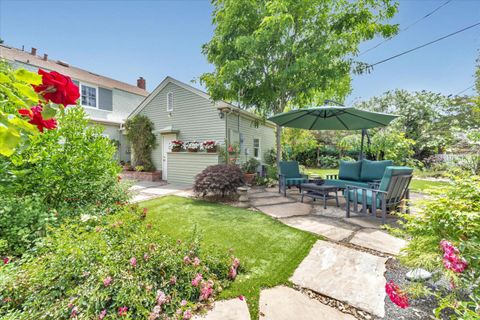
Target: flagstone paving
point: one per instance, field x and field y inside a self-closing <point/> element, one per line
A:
<point x="378" y="240"/>
<point x="269" y="201"/>
<point x="345" y="274"/>
<point x="336" y="230"/>
<point x="286" y="209"/>
<point x="234" y="309"/>
<point x="283" y="303"/>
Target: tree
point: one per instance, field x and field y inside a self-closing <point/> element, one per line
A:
<point x="272" y="54"/>
<point x="298" y="141"/>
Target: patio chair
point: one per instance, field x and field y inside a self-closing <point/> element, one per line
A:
<point x="392" y="189"/>
<point x="289" y="175"/>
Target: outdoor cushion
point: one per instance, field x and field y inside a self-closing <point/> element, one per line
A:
<point x="350" y="170"/>
<point x="360" y="196"/>
<point x="295" y="181"/>
<point x="344" y="183"/>
<point x="290" y="169"/>
<point x="373" y="170"/>
<point x="393" y="171"/>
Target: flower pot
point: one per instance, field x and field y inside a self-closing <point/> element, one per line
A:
<point x="176" y="149"/>
<point x="213" y="150"/>
<point x="248" y="177"/>
<point x="192" y="150"/>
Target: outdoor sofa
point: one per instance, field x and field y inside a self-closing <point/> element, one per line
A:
<point x="363" y="173"/>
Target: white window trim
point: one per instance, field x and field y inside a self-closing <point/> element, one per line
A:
<point x="96" y="94"/>
<point x="259" y="148"/>
<point x="170" y="109"/>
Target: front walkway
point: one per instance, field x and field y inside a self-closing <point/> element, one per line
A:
<point x="146" y="190"/>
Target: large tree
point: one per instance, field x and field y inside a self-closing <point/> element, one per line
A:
<point x="272" y="54"/>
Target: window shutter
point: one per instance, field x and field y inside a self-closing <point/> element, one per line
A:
<point x="105" y="100"/>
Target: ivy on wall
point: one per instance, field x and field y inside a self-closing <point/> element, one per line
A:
<point x="141" y="138"/>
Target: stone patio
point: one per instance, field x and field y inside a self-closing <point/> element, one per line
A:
<point x="234" y="309"/>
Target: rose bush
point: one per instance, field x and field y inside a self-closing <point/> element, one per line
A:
<point x="113" y="266"/>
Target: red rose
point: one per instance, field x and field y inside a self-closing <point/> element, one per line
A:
<point x="36" y="118"/>
<point x="57" y="88"/>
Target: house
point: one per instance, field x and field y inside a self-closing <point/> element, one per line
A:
<point x="180" y="111"/>
<point x="107" y="102"/>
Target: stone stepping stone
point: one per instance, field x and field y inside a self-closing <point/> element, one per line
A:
<point x="330" y="228"/>
<point x="283" y="303"/>
<point x="345" y="274"/>
<point x="270" y="200"/>
<point x="286" y="210"/>
<point x="257" y="195"/>
<point x="378" y="240"/>
<point x="234" y="309"/>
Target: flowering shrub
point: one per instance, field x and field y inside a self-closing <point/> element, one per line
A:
<point x="220" y="179"/>
<point x="192" y="146"/>
<point x="444" y="237"/>
<point x="210" y="145"/>
<point x="109" y="267"/>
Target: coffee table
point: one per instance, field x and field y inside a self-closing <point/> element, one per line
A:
<point x="322" y="191"/>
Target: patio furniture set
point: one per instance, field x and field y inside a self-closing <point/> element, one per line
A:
<point x="367" y="185"/>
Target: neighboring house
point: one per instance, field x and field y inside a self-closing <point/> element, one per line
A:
<point x="180" y="111"/>
<point x="108" y="102"/>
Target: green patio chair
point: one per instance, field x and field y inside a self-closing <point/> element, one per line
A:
<point x="289" y="175"/>
<point x="392" y="189"/>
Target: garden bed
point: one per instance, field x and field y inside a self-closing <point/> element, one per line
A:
<point x="142" y="176"/>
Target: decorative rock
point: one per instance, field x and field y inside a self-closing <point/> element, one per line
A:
<point x="243" y="201"/>
<point x="418" y="275"/>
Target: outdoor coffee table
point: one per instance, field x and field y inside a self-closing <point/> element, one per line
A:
<point x="323" y="191"/>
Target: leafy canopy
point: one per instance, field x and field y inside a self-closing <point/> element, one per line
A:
<point x="268" y="54"/>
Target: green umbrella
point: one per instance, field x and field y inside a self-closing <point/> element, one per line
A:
<point x="333" y="118"/>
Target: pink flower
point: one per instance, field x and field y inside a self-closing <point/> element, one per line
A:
<point x="102" y="314"/>
<point x="236" y="263"/>
<point x="122" y="311"/>
<point x="451" y="260"/>
<point x="183" y="303"/>
<point x="146" y="257"/>
<point x="187" y="260"/>
<point x="187" y="314"/>
<point x="232" y="273"/>
<point x="196" y="262"/>
<point x="396" y="295"/>
<point x="197" y="280"/>
<point x="6" y="260"/>
<point x="161" y="298"/>
<point x="206" y="291"/>
<point x="74" y="312"/>
<point x="107" y="281"/>
<point x="173" y="280"/>
<point x="241" y="297"/>
<point x="133" y="262"/>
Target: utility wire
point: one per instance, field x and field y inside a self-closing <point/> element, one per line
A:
<point x="406" y="28"/>
<point x="423" y="45"/>
<point x="459" y="93"/>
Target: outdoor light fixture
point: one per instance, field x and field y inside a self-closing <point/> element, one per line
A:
<point x="221" y="115"/>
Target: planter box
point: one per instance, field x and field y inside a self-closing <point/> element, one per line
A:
<point x="142" y="176"/>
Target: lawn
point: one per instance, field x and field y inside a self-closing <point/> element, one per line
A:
<point x="417" y="185"/>
<point x="269" y="250"/>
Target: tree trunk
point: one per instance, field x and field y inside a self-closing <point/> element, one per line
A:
<point x="279" y="144"/>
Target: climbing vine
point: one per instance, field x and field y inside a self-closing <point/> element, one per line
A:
<point x="141" y="138"/>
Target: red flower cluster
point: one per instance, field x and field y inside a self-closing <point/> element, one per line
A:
<point x="396" y="295"/>
<point x="451" y="260"/>
<point x="36" y="118"/>
<point x="57" y="88"/>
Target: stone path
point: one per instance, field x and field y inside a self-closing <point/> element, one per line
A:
<point x="146" y="190"/>
<point x="234" y="309"/>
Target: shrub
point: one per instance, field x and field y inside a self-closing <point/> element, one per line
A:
<point x="220" y="179"/>
<point x="453" y="214"/>
<point x="251" y="165"/>
<point x="139" y="168"/>
<point x="112" y="265"/>
<point x="141" y="138"/>
<point x="328" y="162"/>
<point x="270" y="157"/>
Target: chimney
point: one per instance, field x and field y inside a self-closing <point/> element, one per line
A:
<point x="141" y="83"/>
<point x="45" y="56"/>
<point x="34" y="51"/>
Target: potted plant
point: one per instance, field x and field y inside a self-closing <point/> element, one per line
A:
<point x="249" y="169"/>
<point x="210" y="146"/>
<point x="192" y="146"/>
<point x="176" y="145"/>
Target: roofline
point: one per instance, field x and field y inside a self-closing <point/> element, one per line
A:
<point x="220" y="104"/>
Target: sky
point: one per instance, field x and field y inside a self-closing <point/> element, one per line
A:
<point x="154" y="39"/>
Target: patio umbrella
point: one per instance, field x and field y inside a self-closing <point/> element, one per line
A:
<point x="333" y="118"/>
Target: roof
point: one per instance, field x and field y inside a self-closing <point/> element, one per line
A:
<point x="14" y="54"/>
<point x="221" y="105"/>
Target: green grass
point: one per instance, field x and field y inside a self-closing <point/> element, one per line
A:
<point x="417" y="185"/>
<point x="269" y="250"/>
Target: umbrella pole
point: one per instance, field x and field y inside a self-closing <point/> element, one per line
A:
<point x="361" y="146"/>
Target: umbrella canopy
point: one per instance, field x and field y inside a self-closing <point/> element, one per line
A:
<point x="332" y="118"/>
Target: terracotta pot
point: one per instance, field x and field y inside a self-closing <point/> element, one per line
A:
<point x="248" y="177"/>
<point x="192" y="150"/>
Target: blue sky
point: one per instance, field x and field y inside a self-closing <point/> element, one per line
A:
<point x="153" y="39"/>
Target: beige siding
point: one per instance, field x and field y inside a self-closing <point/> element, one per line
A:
<point x="238" y="124"/>
<point x="184" y="166"/>
<point x="195" y="117"/>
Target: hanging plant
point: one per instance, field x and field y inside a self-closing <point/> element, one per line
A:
<point x="141" y="138"/>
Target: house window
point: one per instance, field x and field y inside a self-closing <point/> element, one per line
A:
<point x="170" y="101"/>
<point x="89" y="96"/>
<point x="256" y="148"/>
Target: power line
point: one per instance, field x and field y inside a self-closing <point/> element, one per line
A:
<point x="423" y="45"/>
<point x="407" y="27"/>
<point x="459" y="93"/>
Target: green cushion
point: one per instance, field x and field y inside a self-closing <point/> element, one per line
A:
<point x="360" y="197"/>
<point x="344" y="183"/>
<point x="373" y="170"/>
<point x="391" y="171"/>
<point x="289" y="169"/>
<point x="350" y="170"/>
<point x="295" y="181"/>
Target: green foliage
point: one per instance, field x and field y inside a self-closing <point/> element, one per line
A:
<point x="296" y="141"/>
<point x="64" y="172"/>
<point x="70" y="268"/>
<point x="250" y="166"/>
<point x="139" y="168"/>
<point x="390" y="144"/>
<point x="327" y="162"/>
<point x="220" y="179"/>
<point x="269" y="157"/>
<point x="453" y="214"/>
<point x="143" y="141"/>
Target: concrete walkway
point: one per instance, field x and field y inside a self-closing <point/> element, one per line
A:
<point x="146" y="190"/>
